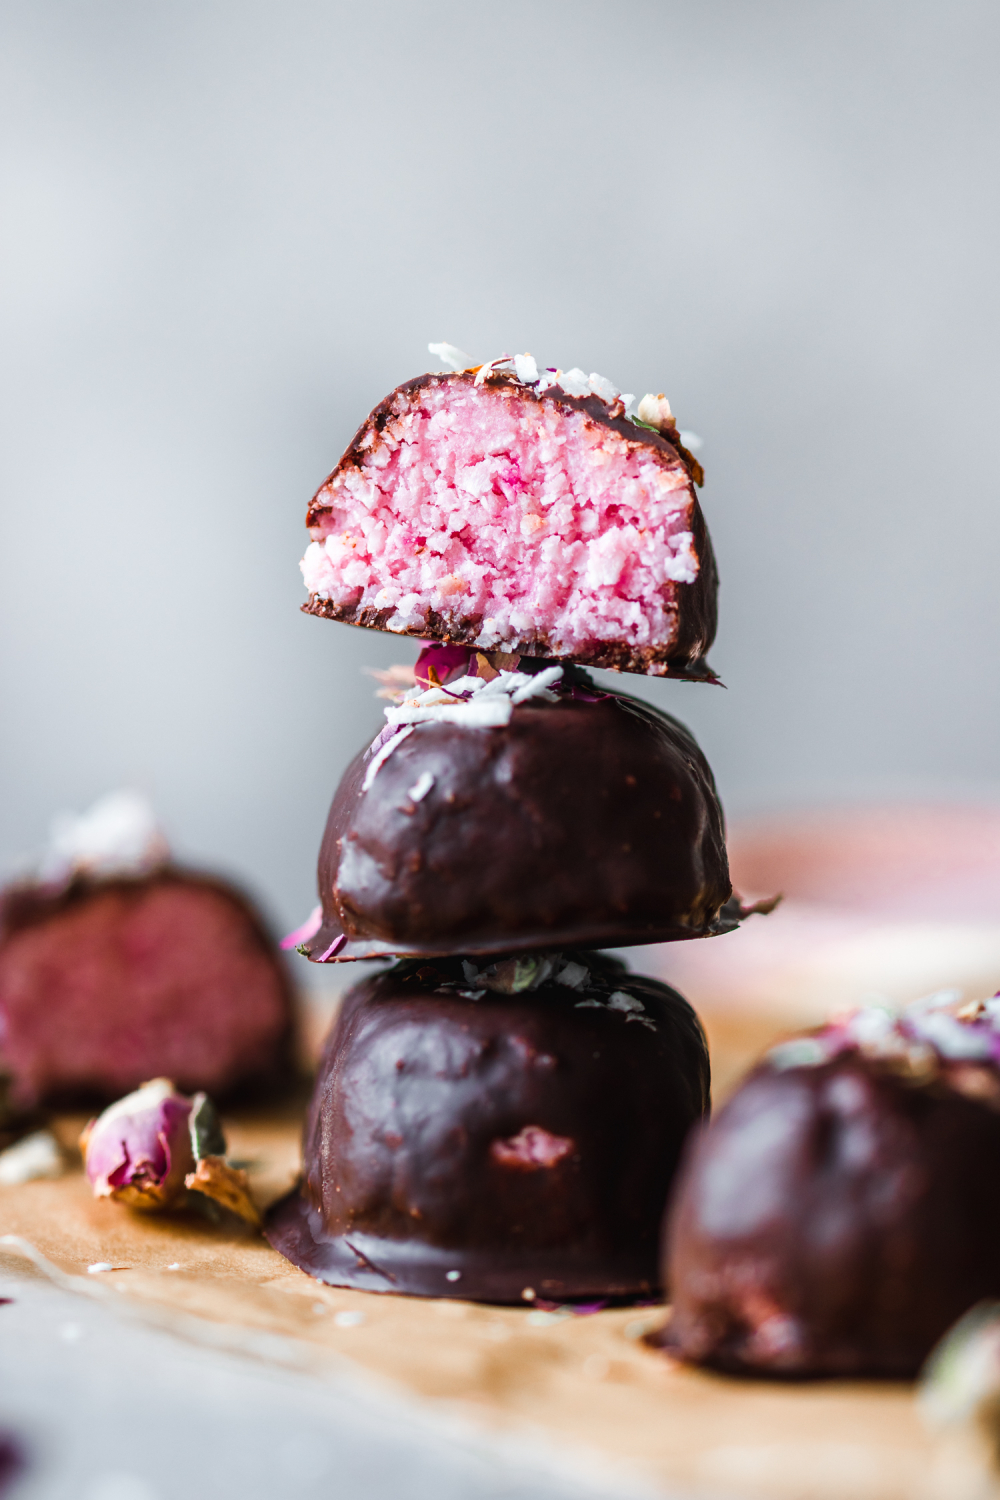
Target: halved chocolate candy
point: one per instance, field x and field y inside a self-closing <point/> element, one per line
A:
<point x="107" y="981"/>
<point x="514" y="516"/>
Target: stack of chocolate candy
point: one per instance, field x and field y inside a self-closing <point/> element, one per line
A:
<point x="499" y="1113"/>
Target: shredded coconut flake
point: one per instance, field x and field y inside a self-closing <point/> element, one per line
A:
<point x="953" y="1038"/>
<point x="504" y="363"/>
<point x="801" y="1052"/>
<point x="379" y="759"/>
<point x="628" y="1005"/>
<point x="573" y="975"/>
<point x="926" y="1036"/>
<point x="538" y="686"/>
<point x="118" y="835"/>
<point x="574" y="382"/>
<point x="455" y="359"/>
<point x="476" y="702"/>
<point x="418" y="791"/>
<point x="618" y="1000"/>
<point x="606" y="389"/>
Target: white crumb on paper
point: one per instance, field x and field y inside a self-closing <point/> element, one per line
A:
<point x="35" y="1158"/>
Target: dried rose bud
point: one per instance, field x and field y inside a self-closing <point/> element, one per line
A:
<point x="227" y="1186"/>
<point x="655" y="412"/>
<point x="214" y="1179"/>
<point x="139" y="1150"/>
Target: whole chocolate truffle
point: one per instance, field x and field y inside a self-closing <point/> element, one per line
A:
<point x="519" y="511"/>
<point x="464" y="1142"/>
<point x="843" y="1208"/>
<point x="107" y="981"/>
<point x="588" y="820"/>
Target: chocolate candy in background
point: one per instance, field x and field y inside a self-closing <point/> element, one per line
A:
<point x="464" y="509"/>
<point x="834" y="1220"/>
<point x="580" y="823"/>
<point x="497" y="1148"/>
<point x="106" y="982"/>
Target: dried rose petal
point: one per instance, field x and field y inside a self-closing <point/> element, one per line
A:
<point x="532" y="1149"/>
<point x="139" y="1150"/>
<point x="308" y="929"/>
<point x="437" y="664"/>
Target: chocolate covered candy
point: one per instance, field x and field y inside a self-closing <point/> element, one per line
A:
<point x="521" y="512"/>
<point x="498" y="1132"/>
<point x="531" y="813"/>
<point x="843" y="1208"/>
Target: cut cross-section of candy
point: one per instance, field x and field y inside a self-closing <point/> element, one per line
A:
<point x="524" y="515"/>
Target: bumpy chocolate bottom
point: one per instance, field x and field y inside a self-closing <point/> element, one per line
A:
<point x="371" y="1264"/>
<point x="493" y="1146"/>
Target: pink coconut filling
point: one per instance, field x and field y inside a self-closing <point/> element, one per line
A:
<point x="525" y="517"/>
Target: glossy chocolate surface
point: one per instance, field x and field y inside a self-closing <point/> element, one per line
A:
<point x="697" y="602"/>
<point x="496" y="1147"/>
<point x="577" y="824"/>
<point x="834" y="1221"/>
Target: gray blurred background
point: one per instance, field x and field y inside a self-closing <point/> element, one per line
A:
<point x="230" y="227"/>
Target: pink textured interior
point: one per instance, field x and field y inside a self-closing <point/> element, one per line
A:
<point x="164" y="982"/>
<point x="484" y="504"/>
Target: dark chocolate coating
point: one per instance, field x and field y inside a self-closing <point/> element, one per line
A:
<point x="833" y="1221"/>
<point x="524" y="1141"/>
<point x="579" y="823"/>
<point x="106" y="982"/>
<point x="697" y="602"/>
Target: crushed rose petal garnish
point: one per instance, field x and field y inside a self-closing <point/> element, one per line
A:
<point x="936" y="1035"/>
<point x="474" y="701"/>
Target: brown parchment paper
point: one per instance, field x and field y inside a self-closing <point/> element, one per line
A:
<point x="587" y="1382"/>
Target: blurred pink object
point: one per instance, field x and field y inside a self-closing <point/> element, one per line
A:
<point x="886" y="902"/>
<point x="941" y="863"/>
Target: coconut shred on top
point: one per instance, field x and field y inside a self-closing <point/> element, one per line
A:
<point x="478" y="502"/>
